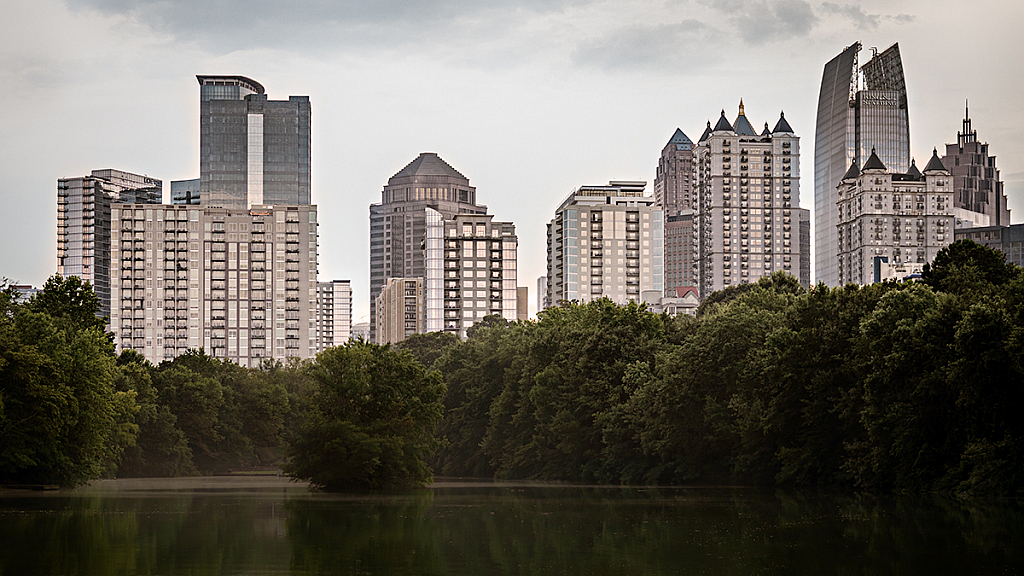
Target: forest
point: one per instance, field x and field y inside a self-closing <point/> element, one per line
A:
<point x="890" y="387"/>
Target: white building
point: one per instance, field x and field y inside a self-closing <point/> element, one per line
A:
<point x="239" y="283"/>
<point x="605" y="241"/>
<point x="333" y="313"/>
<point x="749" y="221"/>
<point x="891" y="224"/>
<point x="471" y="271"/>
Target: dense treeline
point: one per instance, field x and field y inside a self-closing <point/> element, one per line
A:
<point x="72" y="411"/>
<point x="890" y="386"/>
<point x="908" y="387"/>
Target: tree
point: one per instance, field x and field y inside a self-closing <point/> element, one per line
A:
<point x="427" y="348"/>
<point x="372" y="420"/>
<point x="965" y="264"/>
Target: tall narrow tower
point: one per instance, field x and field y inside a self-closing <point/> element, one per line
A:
<point x="252" y="151"/>
<point x="855" y="117"/>
<point x="673" y="191"/>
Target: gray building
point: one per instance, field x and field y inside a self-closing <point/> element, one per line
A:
<point x="83" y="223"/>
<point x="748" y="220"/>
<point x="333" y="313"/>
<point x="252" y="151"/>
<point x="398" y="224"/>
<point x="1007" y="239"/>
<point x="976" y="184"/>
<point x="859" y="109"/>
<point x="674" y="192"/>
<point x="606" y="242"/>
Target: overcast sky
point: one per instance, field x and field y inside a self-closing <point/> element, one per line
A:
<point x="529" y="99"/>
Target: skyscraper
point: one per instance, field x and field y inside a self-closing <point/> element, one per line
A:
<point x="855" y="117"/>
<point x="606" y="241"/>
<point x="673" y="191"/>
<point x="398" y="224"/>
<point x="83" y="223"/>
<point x="976" y="184"/>
<point x="748" y="220"/>
<point x="251" y="150"/>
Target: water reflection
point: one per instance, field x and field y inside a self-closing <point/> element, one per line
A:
<point x="270" y="526"/>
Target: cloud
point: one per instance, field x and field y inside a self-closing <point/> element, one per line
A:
<point x="681" y="46"/>
<point x="761" y="21"/>
<point x="861" y="19"/>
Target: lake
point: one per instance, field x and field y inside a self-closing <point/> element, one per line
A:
<point x="268" y="525"/>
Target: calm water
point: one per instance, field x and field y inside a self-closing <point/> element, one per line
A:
<point x="271" y="526"/>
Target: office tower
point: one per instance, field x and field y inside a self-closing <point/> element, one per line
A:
<point x="748" y="203"/>
<point x="398" y="224"/>
<point x="673" y="191"/>
<point x="892" y="223"/>
<point x="333" y="313"/>
<point x="252" y="151"/>
<point x="185" y="191"/>
<point x="854" y="118"/>
<point x="401" y="310"/>
<point x="976" y="184"/>
<point x="241" y="284"/>
<point x="471" y="271"/>
<point x="83" y="223"/>
<point x="606" y="241"/>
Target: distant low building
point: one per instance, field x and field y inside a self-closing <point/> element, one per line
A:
<point x="1007" y="239"/>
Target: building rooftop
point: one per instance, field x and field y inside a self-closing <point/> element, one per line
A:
<point x="429" y="164"/>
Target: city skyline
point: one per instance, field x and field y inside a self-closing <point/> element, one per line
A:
<point x="527" y="100"/>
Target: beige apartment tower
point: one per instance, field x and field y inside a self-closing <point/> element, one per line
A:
<point x="401" y="310"/>
<point x="238" y="283"/>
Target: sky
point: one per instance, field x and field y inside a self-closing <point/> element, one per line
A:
<point x="529" y="99"/>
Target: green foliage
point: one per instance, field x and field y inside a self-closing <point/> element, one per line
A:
<point x="427" y="348"/>
<point x="372" y="420"/>
<point x="967" y="265"/>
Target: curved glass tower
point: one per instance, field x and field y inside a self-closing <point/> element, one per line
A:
<point x="855" y="117"/>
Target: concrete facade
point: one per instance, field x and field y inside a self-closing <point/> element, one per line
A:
<point x="748" y="213"/>
<point x="976" y="184"/>
<point x="1007" y="239"/>
<point x="241" y="284"/>
<point x="84" y="220"/>
<point x="401" y="310"/>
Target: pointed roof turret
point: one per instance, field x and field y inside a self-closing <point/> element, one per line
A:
<point x="934" y="163"/>
<point x="853" y="172"/>
<point x="913" y="173"/>
<point x="782" y="126"/>
<point x="874" y="162"/>
<point x="680" y="138"/>
<point x="723" y="124"/>
<point x="707" y="132"/>
<point x="742" y="125"/>
<point x="766" y="131"/>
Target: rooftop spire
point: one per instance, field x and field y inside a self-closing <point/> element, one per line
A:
<point x="741" y="107"/>
<point x="967" y="135"/>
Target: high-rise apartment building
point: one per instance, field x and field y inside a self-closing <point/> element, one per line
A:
<point x="606" y="241"/>
<point x="252" y="151"/>
<point x="976" y="184"/>
<point x="673" y="191"/>
<point x="855" y="117"/>
<point x="471" y="271"/>
<point x="83" y="223"/>
<point x="892" y="223"/>
<point x="239" y="283"/>
<point x="398" y="224"/>
<point x="401" y="310"/>
<point x="748" y="219"/>
<point x="333" y="313"/>
<point x="185" y="191"/>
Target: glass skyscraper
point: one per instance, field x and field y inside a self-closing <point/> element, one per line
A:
<point x="854" y="118"/>
<point x="252" y="151"/>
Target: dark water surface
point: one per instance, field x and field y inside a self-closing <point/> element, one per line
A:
<point x="267" y="525"/>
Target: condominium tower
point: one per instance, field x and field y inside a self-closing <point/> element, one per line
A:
<point x="606" y="241"/>
<point x="673" y="191"/>
<point x="859" y="109"/>
<point x="239" y="283"/>
<point x="892" y="223"/>
<point x="749" y="221"/>
<point x="252" y="151"/>
<point x="398" y="224"/>
<point x="83" y="223"/>
<point x="333" y="313"/>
